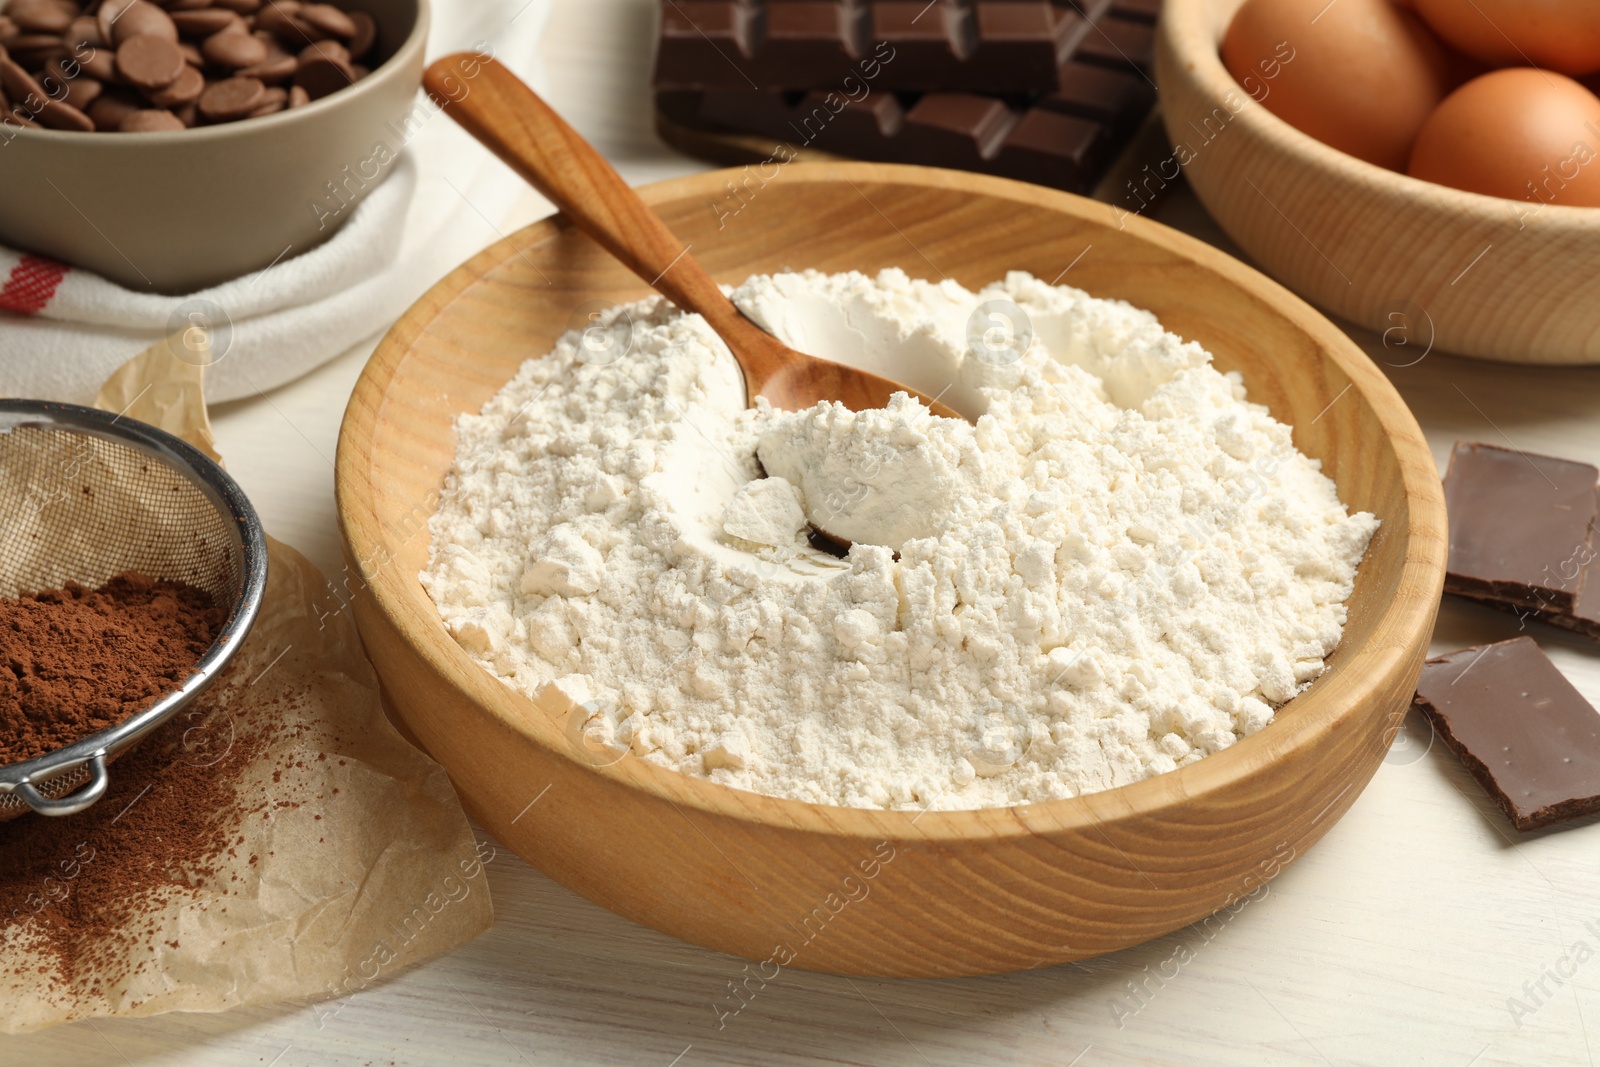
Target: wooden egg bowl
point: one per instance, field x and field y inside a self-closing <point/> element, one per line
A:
<point x="966" y="892"/>
<point x="1461" y="272"/>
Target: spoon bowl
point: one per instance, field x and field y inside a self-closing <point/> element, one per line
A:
<point x="524" y="131"/>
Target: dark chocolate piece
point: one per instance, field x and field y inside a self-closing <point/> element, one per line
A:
<point x="1039" y="144"/>
<point x="1017" y="46"/>
<point x="992" y="46"/>
<point x="1519" y="527"/>
<point x="1118" y="42"/>
<point x="802" y="39"/>
<point x="1529" y="738"/>
<point x="1584" y="618"/>
<point x="699" y="35"/>
<point x="1138" y="10"/>
<point x="1117" y="99"/>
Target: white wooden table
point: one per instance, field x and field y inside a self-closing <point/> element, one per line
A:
<point x="1399" y="939"/>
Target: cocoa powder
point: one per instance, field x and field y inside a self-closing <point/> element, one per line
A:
<point x="90" y="882"/>
<point x="77" y="660"/>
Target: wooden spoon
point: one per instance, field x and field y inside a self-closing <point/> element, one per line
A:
<point x="498" y="109"/>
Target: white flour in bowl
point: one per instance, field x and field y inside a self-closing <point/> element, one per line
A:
<point x="1124" y="566"/>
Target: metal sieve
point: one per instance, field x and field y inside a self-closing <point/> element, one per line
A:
<point x="86" y="495"/>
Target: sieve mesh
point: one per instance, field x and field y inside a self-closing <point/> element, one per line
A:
<point x="86" y="502"/>
<point x="85" y="509"/>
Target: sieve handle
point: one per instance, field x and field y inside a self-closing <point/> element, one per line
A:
<point x="75" y="801"/>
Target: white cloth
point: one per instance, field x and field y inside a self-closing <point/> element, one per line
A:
<point x="431" y="213"/>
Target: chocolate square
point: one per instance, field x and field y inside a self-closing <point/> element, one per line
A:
<point x="1119" y="42"/>
<point x="807" y="44"/>
<point x="954" y="129"/>
<point x="1022" y="41"/>
<point x="1529" y="738"/>
<point x="1064" y="151"/>
<point x="1140" y="10"/>
<point x="705" y="42"/>
<point x="925" y="40"/>
<point x="1519" y="526"/>
<point x="1118" y="98"/>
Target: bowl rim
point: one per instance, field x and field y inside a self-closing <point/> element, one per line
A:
<point x="412" y="45"/>
<point x="1193" y="32"/>
<point x="1335" y="697"/>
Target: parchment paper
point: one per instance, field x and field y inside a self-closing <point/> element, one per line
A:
<point x="364" y="862"/>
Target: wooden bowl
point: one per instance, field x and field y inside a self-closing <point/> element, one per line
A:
<point x="1418" y="262"/>
<point x="890" y="893"/>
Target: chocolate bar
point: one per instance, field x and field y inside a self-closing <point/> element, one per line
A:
<point x="1529" y="738"/>
<point x="1520" y="527"/>
<point x="1064" y="139"/>
<point x="883" y="80"/>
<point x="991" y="46"/>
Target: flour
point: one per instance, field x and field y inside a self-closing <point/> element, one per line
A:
<point x="1122" y="567"/>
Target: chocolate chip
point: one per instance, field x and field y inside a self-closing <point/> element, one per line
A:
<point x="278" y="66"/>
<point x="107" y="17"/>
<point x="325" y="50"/>
<point x="138" y="18"/>
<point x="366" y="34"/>
<point x="37" y="49"/>
<point x="79" y="90"/>
<point x="150" y="122"/>
<point x="111" y="108"/>
<point x="18" y="83"/>
<point x="281" y="19"/>
<point x="148" y="61"/>
<point x="61" y="116"/>
<point x="185" y="89"/>
<point x="320" y="76"/>
<point x="205" y="22"/>
<point x="273" y="100"/>
<point x="167" y="61"/>
<point x="100" y="64"/>
<point x="233" y="98"/>
<point x="329" y="19"/>
<point x="83" y="91"/>
<point x="84" y="31"/>
<point x="41" y="16"/>
<point x="233" y="49"/>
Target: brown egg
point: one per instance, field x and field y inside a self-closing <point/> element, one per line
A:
<point x="1520" y="133"/>
<point x="1359" y="75"/>
<point x="1561" y="35"/>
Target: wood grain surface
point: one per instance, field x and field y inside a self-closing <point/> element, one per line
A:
<point x="1508" y="280"/>
<point x="950" y="892"/>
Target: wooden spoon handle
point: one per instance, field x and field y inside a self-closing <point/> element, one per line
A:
<point x="497" y="108"/>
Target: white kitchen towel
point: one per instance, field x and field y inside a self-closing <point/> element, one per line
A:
<point x="64" y="330"/>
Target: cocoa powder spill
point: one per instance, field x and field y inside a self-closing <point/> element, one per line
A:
<point x="87" y="893"/>
<point x="76" y="660"/>
<point x="91" y="881"/>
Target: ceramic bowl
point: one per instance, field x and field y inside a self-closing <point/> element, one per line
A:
<point x="182" y="211"/>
